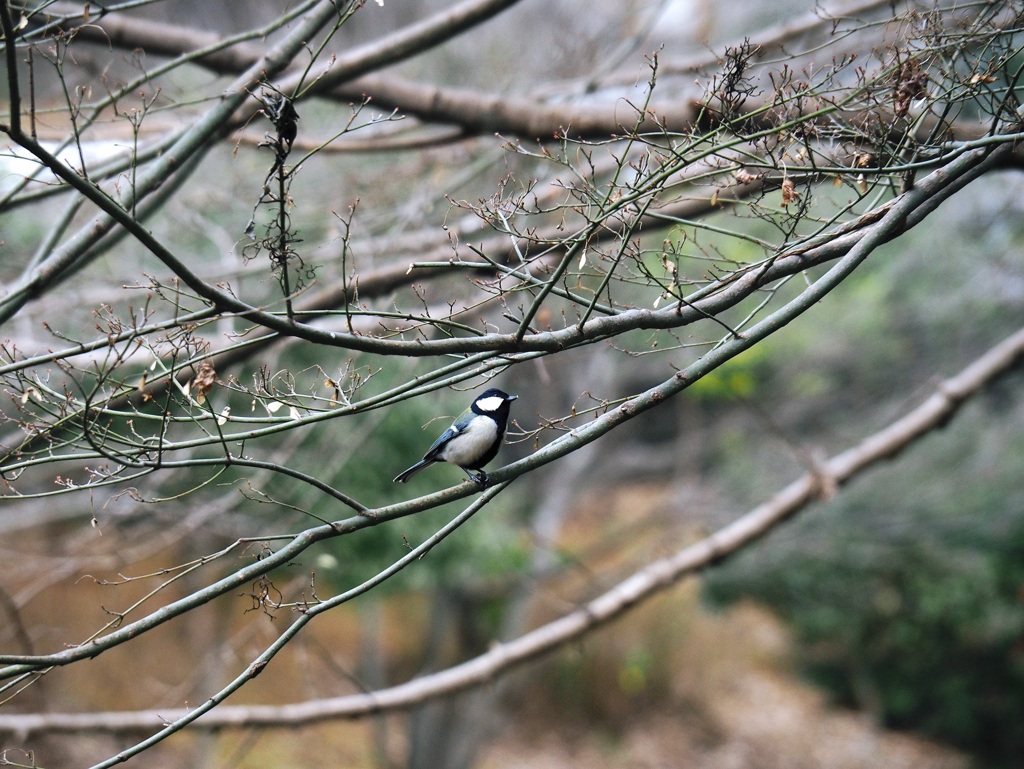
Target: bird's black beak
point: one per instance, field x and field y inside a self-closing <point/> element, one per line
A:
<point x="512" y="398"/>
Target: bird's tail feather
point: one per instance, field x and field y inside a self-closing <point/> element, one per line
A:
<point x="405" y="475"/>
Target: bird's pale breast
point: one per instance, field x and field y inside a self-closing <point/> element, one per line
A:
<point x="466" y="448"/>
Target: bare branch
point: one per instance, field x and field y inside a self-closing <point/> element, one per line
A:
<point x="934" y="413"/>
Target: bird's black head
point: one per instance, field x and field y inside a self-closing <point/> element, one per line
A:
<point x="493" y="402"/>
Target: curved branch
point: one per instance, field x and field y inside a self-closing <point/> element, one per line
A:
<point x="920" y="200"/>
<point x="935" y="412"/>
<point x="594" y="329"/>
<point x="160" y="38"/>
<point x="870" y="231"/>
<point x="473" y="112"/>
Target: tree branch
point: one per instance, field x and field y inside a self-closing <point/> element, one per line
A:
<point x="934" y="413"/>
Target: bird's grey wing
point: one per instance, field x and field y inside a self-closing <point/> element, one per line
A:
<point x="441" y="441"/>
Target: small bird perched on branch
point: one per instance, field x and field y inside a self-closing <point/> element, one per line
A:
<point x="473" y="439"/>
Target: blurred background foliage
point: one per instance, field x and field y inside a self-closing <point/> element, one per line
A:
<point x="905" y="592"/>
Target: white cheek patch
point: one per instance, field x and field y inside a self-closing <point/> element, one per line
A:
<point x="490" y="404"/>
